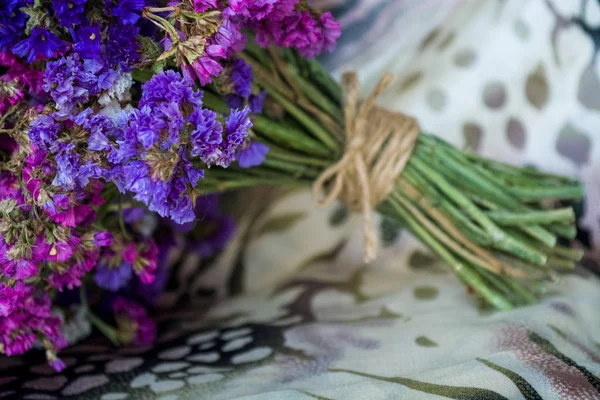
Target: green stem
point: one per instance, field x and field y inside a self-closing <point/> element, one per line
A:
<point x="296" y="170"/>
<point x="500" y="239"/>
<point x="309" y="123"/>
<point x="290" y="137"/>
<point x="562" y="215"/>
<point x="107" y="330"/>
<point x="281" y="154"/>
<point x="122" y="223"/>
<point x="462" y="270"/>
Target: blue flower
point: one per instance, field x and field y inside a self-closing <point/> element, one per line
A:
<point x="41" y="44"/>
<point x="253" y="155"/>
<point x="122" y="46"/>
<point x="113" y="279"/>
<point x="87" y="41"/>
<point x="234" y="101"/>
<point x="69" y="12"/>
<point x="12" y="23"/>
<point x="255" y="102"/>
<point x="128" y="11"/>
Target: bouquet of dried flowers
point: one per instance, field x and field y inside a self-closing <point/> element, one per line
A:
<point x="120" y="119"/>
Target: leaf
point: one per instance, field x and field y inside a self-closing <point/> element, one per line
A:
<point x="167" y="53"/>
<point x="141" y="75"/>
<point x="281" y="223"/>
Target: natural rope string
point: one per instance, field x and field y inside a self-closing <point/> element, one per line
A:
<point x="378" y="145"/>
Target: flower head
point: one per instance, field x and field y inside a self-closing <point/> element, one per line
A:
<point x="134" y="325"/>
<point x="12" y="23"/>
<point x="69" y="12"/>
<point x="86" y="41"/>
<point x="41" y="44"/>
<point x="128" y="11"/>
<point x="203" y="5"/>
<point x="252" y="155"/>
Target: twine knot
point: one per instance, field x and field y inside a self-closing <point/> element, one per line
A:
<point x="378" y="146"/>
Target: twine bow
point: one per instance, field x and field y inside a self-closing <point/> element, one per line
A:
<point x="378" y="146"/>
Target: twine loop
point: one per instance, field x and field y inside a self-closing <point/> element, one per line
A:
<point x="379" y="143"/>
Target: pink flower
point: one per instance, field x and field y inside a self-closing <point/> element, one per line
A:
<point x="29" y="318"/>
<point x="205" y="68"/>
<point x="130" y="253"/>
<point x="146" y="263"/>
<point x="133" y="322"/>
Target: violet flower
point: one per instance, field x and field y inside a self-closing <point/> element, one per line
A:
<point x="69" y="12"/>
<point x="252" y="155"/>
<point x="86" y="41"/>
<point x="128" y="11"/>
<point x="41" y="44"/>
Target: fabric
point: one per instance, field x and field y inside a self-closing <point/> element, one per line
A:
<point x="290" y="311"/>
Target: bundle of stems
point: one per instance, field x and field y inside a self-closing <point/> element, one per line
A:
<point x="496" y="225"/>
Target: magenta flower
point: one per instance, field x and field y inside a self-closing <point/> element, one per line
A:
<point x="134" y="325"/>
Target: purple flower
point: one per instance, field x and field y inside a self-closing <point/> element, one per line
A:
<point x="69" y="12"/>
<point x="229" y="38"/>
<point x="103" y="239"/>
<point x="234" y="101"/>
<point x="169" y="87"/>
<point x="207" y="136"/>
<point x="203" y="5"/>
<point x="57" y="364"/>
<point x="133" y="214"/>
<point x="87" y="41"/>
<point x="41" y="44"/>
<point x="237" y="125"/>
<point x="252" y="155"/>
<point x="122" y="46"/>
<point x="28" y="317"/>
<point x="133" y="322"/>
<point x="302" y="29"/>
<point x="128" y="11"/>
<point x="255" y="102"/>
<point x="205" y="68"/>
<point x="255" y="9"/>
<point x="241" y="76"/>
<point x="152" y="159"/>
<point x="113" y="278"/>
<point x="69" y="83"/>
<point x="44" y="131"/>
<point x="331" y="31"/>
<point x="12" y="23"/>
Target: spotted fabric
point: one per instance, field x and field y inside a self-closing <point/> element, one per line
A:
<point x="290" y="312"/>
